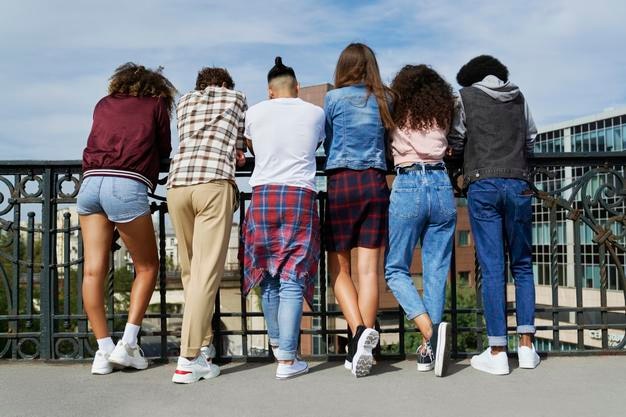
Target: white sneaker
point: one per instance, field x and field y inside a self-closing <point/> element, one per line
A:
<point x="188" y="372"/>
<point x="493" y="364"/>
<point x="208" y="352"/>
<point x="528" y="358"/>
<point x="127" y="356"/>
<point x="298" y="367"/>
<point x="363" y="360"/>
<point x="101" y="364"/>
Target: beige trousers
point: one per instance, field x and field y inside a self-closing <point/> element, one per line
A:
<point x="202" y="216"/>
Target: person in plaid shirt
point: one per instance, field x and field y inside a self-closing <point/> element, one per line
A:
<point x="282" y="229"/>
<point x="201" y="197"/>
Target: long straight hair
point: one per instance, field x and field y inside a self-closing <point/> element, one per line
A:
<point x="357" y="64"/>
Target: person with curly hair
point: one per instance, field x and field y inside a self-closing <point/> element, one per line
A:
<point x="129" y="137"/>
<point x="422" y="208"/>
<point x="357" y="118"/>
<point x="494" y="130"/>
<point x="202" y="196"/>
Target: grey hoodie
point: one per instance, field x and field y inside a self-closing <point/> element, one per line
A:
<point x="501" y="91"/>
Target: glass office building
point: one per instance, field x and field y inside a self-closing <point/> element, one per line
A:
<point x="604" y="132"/>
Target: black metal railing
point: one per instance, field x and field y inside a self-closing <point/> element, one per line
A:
<point x="41" y="254"/>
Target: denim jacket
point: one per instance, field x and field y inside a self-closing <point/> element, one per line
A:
<point x="355" y="135"/>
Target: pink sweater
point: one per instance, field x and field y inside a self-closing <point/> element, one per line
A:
<point x="409" y="146"/>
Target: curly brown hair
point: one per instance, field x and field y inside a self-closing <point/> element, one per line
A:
<point x="424" y="99"/>
<point x="213" y="76"/>
<point x="136" y="80"/>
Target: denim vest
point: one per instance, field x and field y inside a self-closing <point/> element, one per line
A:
<point x="355" y="135"/>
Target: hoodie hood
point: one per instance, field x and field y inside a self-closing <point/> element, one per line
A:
<point x="498" y="89"/>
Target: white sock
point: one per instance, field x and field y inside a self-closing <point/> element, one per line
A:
<point x="106" y="344"/>
<point x="130" y="334"/>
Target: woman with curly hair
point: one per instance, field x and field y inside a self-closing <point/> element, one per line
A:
<point x="129" y="137"/>
<point x="357" y="117"/>
<point x="422" y="208"/>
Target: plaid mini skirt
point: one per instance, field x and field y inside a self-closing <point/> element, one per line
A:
<point x="356" y="209"/>
<point x="281" y="237"/>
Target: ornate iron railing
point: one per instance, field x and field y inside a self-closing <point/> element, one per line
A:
<point x="41" y="312"/>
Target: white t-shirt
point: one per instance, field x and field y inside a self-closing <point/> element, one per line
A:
<point x="285" y="133"/>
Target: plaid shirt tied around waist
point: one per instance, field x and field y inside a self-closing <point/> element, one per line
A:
<point x="281" y="236"/>
<point x="210" y="129"/>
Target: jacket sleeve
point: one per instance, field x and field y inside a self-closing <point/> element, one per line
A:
<point x="241" y="127"/>
<point x="531" y="130"/>
<point x="457" y="133"/>
<point x="164" y="138"/>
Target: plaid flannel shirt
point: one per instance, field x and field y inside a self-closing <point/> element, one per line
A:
<point x="210" y="128"/>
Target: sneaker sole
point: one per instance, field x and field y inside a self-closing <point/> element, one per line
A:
<point x="347" y="364"/>
<point x="295" y="374"/>
<point x="422" y="367"/>
<point x="101" y="371"/>
<point x="529" y="365"/>
<point x="489" y="370"/>
<point x="442" y="359"/>
<point x="363" y="360"/>
<point x="127" y="364"/>
<point x="191" y="378"/>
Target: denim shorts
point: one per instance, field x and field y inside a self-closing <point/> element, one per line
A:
<point x="121" y="199"/>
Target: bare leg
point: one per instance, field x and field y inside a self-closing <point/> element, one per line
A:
<point x="138" y="236"/>
<point x="526" y="339"/>
<point x="425" y="326"/>
<point x="97" y="233"/>
<point x="368" y="260"/>
<point x="339" y="269"/>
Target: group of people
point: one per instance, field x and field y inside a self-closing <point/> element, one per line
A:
<point x="366" y="128"/>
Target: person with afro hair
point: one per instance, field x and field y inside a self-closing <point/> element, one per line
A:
<point x="494" y="131"/>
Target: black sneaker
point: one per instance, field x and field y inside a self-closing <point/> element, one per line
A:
<point x="425" y="357"/>
<point x="349" y="355"/>
<point x="440" y="342"/>
<point x="364" y="340"/>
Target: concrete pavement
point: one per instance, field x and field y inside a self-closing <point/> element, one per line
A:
<point x="582" y="386"/>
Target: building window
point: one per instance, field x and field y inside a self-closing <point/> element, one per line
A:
<point x="464" y="238"/>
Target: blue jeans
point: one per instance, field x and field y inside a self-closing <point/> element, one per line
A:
<point x="422" y="209"/>
<point x="501" y="212"/>
<point x="282" y="308"/>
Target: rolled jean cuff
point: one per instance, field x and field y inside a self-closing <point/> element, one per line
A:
<point x="497" y="340"/>
<point x="274" y="342"/>
<point x="414" y="314"/>
<point x="282" y="355"/>
<point x="527" y="328"/>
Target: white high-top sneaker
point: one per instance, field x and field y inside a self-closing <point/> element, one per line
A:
<point x="493" y="364"/>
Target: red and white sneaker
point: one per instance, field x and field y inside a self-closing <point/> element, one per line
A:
<point x="188" y="372"/>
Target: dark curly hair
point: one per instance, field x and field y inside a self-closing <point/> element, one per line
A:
<point x="212" y="76"/>
<point x="136" y="80"/>
<point x="478" y="68"/>
<point x="424" y="99"/>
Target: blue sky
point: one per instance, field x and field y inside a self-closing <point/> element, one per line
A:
<point x="567" y="56"/>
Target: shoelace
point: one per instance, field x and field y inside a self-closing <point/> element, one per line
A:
<point x="426" y="350"/>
